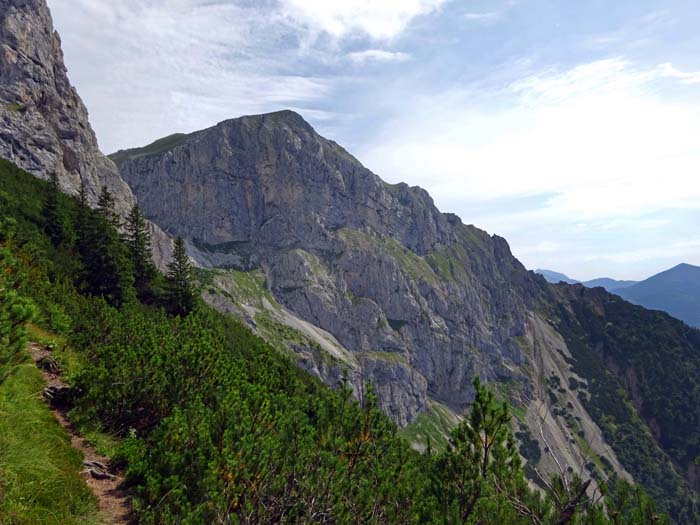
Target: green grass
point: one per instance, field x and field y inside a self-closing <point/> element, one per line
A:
<point x="159" y="146"/>
<point x="434" y="426"/>
<point x="69" y="360"/>
<point x="20" y="108"/>
<point x="241" y="287"/>
<point x="414" y="265"/>
<point x="72" y="363"/>
<point x="40" y="481"/>
<point x="316" y="265"/>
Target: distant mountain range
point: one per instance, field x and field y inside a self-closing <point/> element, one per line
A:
<point x="611" y="285"/>
<point x="675" y="291"/>
<point x="604" y="282"/>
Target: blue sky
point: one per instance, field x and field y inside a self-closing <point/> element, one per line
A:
<point x="570" y="128"/>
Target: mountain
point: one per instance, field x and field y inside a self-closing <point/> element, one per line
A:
<point x="609" y="284"/>
<point x="675" y="291"/>
<point x="556" y="277"/>
<point x="349" y="273"/>
<point x="413" y="296"/>
<point x="604" y="282"/>
<point x="44" y="126"/>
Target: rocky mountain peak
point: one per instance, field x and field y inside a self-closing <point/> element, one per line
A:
<point x="409" y="291"/>
<point x="44" y="124"/>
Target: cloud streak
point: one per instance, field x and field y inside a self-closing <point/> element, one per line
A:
<point x="378" y="55"/>
<point x="597" y="138"/>
<point x="340" y="18"/>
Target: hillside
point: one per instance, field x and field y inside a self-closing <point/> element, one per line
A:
<point x="200" y="402"/>
<point x="384" y="285"/>
<point x="675" y="291"/>
<point x="604" y="282"/>
<point x="310" y="259"/>
<point x="611" y="285"/>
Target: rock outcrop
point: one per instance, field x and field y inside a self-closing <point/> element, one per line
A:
<point x="424" y="301"/>
<point x="44" y="125"/>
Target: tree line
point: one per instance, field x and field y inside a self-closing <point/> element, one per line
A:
<point x="118" y="266"/>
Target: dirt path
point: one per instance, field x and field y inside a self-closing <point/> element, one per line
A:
<point x="112" y="500"/>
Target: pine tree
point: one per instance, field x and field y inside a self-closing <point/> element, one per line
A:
<point x="107" y="269"/>
<point x="54" y="225"/>
<point x="15" y="309"/>
<point x="105" y="206"/>
<point x="138" y="240"/>
<point x="481" y="455"/>
<point x="181" y="289"/>
<point x="82" y="218"/>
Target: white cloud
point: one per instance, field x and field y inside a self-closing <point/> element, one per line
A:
<point x="488" y="16"/>
<point x="378" y="55"/>
<point x="611" y="145"/>
<point x="678" y="251"/>
<point x="151" y="68"/>
<point x="383" y="19"/>
<point x="596" y="135"/>
<point x="545" y="246"/>
<point x="667" y="70"/>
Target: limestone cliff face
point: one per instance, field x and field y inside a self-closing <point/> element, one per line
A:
<point x="423" y="301"/>
<point x="44" y="125"/>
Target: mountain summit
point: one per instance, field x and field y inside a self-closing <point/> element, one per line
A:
<point x="676" y="291"/>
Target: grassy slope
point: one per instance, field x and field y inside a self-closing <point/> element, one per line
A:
<point x="40" y="481"/>
<point x="159" y="146"/>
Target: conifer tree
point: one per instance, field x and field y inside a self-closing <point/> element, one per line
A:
<point x="481" y="451"/>
<point x="82" y="220"/>
<point x="181" y="289"/>
<point x="107" y="269"/>
<point x="54" y="226"/>
<point x="138" y="240"/>
<point x="15" y="309"/>
<point x="105" y="205"/>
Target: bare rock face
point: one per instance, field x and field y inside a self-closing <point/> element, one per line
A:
<point x="44" y="125"/>
<point x="424" y="301"/>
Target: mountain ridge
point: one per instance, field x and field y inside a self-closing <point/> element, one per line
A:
<point x="675" y="291"/>
<point x="417" y="301"/>
<point x="292" y="231"/>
